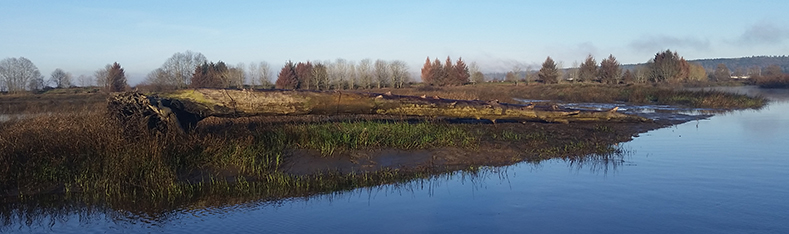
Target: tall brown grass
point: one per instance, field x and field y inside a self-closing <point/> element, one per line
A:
<point x="774" y="81"/>
<point x="599" y="93"/>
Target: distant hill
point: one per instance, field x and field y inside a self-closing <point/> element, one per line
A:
<point x="736" y="63"/>
<point x="746" y="62"/>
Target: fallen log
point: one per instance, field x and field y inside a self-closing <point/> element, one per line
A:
<point x="184" y="108"/>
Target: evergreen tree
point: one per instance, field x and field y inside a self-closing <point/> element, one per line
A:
<point x="610" y="70"/>
<point x="287" y="78"/>
<point x="588" y="70"/>
<point x="304" y="75"/>
<point x="668" y="66"/>
<point x="116" y="78"/>
<point x="549" y="73"/>
<point x="461" y="75"/>
<point x="628" y="77"/>
<point x="449" y="73"/>
<point x="427" y="72"/>
<point x="438" y="73"/>
<point x="210" y="75"/>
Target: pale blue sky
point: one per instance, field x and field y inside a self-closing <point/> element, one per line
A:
<point x="82" y="36"/>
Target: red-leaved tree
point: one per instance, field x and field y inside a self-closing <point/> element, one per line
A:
<point x="287" y="78"/>
<point x="427" y="72"/>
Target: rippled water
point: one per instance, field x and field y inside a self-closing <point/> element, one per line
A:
<point x="725" y="174"/>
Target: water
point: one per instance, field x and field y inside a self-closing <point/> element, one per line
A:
<point x="724" y="174"/>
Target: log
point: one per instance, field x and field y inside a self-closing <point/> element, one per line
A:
<point x="184" y="108"/>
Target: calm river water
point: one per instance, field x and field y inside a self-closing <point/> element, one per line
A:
<point x="725" y="174"/>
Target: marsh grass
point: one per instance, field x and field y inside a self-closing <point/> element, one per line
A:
<point x="594" y="93"/>
<point x="86" y="153"/>
<point x="329" y="137"/>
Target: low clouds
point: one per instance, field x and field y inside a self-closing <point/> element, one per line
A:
<point x="662" y="42"/>
<point x="763" y="33"/>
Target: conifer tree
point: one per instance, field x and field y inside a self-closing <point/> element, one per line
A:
<point x="427" y="72"/>
<point x="610" y="70"/>
<point x="549" y="73"/>
<point x="304" y="75"/>
<point x="628" y="77"/>
<point x="588" y="70"/>
<point x="438" y="72"/>
<point x="461" y="75"/>
<point x="287" y="78"/>
<point x="449" y="72"/>
<point x="210" y="75"/>
<point x="116" y="78"/>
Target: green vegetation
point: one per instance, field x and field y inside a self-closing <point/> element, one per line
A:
<point x="86" y="153"/>
<point x="329" y="137"/>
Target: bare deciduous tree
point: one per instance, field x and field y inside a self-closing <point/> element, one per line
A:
<point x="17" y="74"/>
<point x="179" y="68"/>
<point x="476" y="75"/>
<point x="236" y="76"/>
<point x="398" y="71"/>
<point x="381" y="73"/>
<point x="697" y="73"/>
<point x="60" y="78"/>
<point x="321" y="76"/>
<point x="152" y="79"/>
<point x="101" y="77"/>
<point x="352" y="75"/>
<point x="339" y="73"/>
<point x="572" y="73"/>
<point x="722" y="73"/>
<point x="364" y="71"/>
<point x="517" y="69"/>
<point x="252" y="72"/>
<point x="85" y="81"/>
<point x="264" y="74"/>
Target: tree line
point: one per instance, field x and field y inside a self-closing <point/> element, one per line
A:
<point x="665" y="66"/>
<point x="343" y="74"/>
<point x="192" y="70"/>
<point x="20" y="74"/>
<point x="435" y="73"/>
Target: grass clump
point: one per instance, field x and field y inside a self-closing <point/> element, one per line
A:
<point x="329" y="137"/>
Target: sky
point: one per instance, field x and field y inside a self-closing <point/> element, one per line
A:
<point x="83" y="36"/>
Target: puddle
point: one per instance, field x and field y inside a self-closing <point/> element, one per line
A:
<point x="654" y="112"/>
